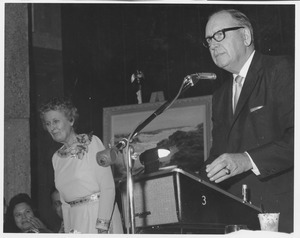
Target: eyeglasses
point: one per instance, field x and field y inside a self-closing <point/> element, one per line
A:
<point x="219" y="35"/>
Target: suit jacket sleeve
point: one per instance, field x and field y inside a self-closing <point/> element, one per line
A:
<point x="277" y="155"/>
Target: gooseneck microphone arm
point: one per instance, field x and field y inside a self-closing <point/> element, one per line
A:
<point x="189" y="81"/>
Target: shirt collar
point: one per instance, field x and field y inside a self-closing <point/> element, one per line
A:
<point x="246" y="66"/>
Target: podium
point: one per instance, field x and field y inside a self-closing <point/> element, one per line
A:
<point x="176" y="201"/>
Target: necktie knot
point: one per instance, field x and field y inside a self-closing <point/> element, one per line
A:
<point x="238" y="79"/>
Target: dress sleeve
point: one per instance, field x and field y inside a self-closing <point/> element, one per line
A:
<point x="105" y="180"/>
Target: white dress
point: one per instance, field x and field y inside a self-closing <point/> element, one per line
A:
<point x="78" y="175"/>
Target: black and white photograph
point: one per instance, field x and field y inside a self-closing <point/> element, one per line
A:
<point x="149" y="118"/>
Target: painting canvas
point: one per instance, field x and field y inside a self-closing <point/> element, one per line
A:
<point x="184" y="129"/>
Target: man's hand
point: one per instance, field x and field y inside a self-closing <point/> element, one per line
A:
<point x="228" y="165"/>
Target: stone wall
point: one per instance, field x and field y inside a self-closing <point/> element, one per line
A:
<point x="17" y="177"/>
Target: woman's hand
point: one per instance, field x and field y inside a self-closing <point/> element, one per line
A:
<point x="38" y="224"/>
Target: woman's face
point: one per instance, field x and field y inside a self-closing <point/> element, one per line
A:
<point x="58" y="125"/>
<point x="22" y="212"/>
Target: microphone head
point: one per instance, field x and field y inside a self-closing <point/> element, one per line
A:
<point x="194" y="78"/>
<point x="210" y="76"/>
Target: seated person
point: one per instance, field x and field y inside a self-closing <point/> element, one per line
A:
<point x="56" y="205"/>
<point x="21" y="216"/>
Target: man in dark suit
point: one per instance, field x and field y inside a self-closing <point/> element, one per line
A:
<point x="253" y="118"/>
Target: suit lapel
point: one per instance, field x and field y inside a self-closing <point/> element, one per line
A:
<point x="225" y="102"/>
<point x="249" y="84"/>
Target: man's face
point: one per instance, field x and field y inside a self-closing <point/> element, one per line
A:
<point x="230" y="53"/>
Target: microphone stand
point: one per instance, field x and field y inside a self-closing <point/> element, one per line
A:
<point x="187" y="83"/>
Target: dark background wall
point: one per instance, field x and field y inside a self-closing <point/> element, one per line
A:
<point x="96" y="48"/>
<point x="104" y="44"/>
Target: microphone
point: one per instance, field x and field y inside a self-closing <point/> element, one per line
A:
<point x="197" y="76"/>
<point x="192" y="79"/>
<point x="108" y="156"/>
<point x="121" y="144"/>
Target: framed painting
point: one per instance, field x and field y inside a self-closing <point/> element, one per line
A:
<point x="184" y="129"/>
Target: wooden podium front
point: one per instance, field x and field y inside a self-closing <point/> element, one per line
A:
<point x="171" y="200"/>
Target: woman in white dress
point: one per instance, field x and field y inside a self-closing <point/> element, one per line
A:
<point x="87" y="190"/>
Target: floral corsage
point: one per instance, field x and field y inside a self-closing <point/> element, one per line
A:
<point x="78" y="148"/>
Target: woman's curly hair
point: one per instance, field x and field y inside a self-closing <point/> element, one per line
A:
<point x="62" y="105"/>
